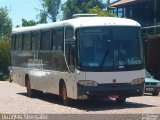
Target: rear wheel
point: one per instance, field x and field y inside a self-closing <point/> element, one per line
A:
<point x="121" y="100"/>
<point x="29" y="90"/>
<point x="10" y="80"/>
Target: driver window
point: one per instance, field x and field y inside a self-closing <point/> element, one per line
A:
<point x="69" y="44"/>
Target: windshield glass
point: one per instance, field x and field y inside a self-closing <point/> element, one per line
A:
<point x="147" y="75"/>
<point x="109" y="47"/>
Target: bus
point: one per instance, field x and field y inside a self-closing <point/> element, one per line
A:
<point x="81" y="58"/>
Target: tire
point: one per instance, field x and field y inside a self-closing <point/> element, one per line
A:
<point x="31" y="92"/>
<point x="65" y="99"/>
<point x="155" y="93"/>
<point x="28" y="86"/>
<point x="121" y="100"/>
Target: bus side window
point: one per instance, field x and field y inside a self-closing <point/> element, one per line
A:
<point x="58" y="39"/>
<point x="19" y="42"/>
<point x="13" y="47"/>
<point x="46" y="40"/>
<point x="36" y="37"/>
<point x="26" y="41"/>
<point x="53" y="44"/>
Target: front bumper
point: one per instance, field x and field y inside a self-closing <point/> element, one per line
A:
<point x="152" y="88"/>
<point x="107" y="90"/>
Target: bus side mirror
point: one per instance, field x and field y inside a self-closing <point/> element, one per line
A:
<point x="72" y="68"/>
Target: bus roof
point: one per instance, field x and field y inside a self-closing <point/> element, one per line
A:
<point x="81" y="22"/>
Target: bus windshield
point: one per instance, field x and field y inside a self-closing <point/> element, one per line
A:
<point x="112" y="48"/>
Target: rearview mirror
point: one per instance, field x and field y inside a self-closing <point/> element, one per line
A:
<point x="72" y="68"/>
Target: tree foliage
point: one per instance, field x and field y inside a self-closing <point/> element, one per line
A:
<point x="28" y="23"/>
<point x="42" y="17"/>
<point x="5" y="39"/>
<point x="50" y="10"/>
<point x="80" y="6"/>
<point x="5" y="53"/>
<point x="5" y="24"/>
<point x="100" y="12"/>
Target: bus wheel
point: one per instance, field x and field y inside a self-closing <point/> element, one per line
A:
<point x="30" y="92"/>
<point x="10" y="80"/>
<point x="121" y="100"/>
<point x="65" y="99"/>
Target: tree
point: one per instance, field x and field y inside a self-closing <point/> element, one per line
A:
<point x="5" y="55"/>
<point x="100" y="12"/>
<point x="79" y="6"/>
<point x="50" y="10"/>
<point x="42" y="17"/>
<point x="28" y="23"/>
<point x="5" y="24"/>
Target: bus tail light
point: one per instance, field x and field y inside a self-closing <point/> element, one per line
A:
<point x="87" y="83"/>
<point x="137" y="81"/>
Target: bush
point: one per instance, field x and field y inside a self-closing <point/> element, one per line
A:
<point x="5" y="56"/>
<point x="5" y="77"/>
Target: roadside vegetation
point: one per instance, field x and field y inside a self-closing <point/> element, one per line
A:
<point x="5" y="43"/>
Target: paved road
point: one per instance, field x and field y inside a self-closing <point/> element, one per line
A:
<point x="14" y="100"/>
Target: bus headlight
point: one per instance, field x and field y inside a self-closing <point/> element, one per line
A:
<point x="137" y="81"/>
<point x="87" y="83"/>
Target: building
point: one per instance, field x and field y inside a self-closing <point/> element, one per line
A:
<point x="147" y="13"/>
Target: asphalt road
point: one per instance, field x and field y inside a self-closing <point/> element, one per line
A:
<point x="14" y="100"/>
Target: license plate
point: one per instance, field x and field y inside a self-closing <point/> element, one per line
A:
<point x="113" y="96"/>
<point x="150" y="89"/>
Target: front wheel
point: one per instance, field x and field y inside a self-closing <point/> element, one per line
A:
<point x="65" y="99"/>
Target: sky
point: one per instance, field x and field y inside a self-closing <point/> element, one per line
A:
<point x="27" y="9"/>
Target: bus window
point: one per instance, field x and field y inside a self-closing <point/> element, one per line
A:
<point x="13" y="42"/>
<point x="26" y="41"/>
<point x="69" y="43"/>
<point x="53" y="40"/>
<point x="58" y="39"/>
<point x="69" y="32"/>
<point x="19" y="42"/>
<point x="46" y="40"/>
<point x="36" y="37"/>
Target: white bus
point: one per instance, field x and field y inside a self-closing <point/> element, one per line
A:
<point x="81" y="58"/>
